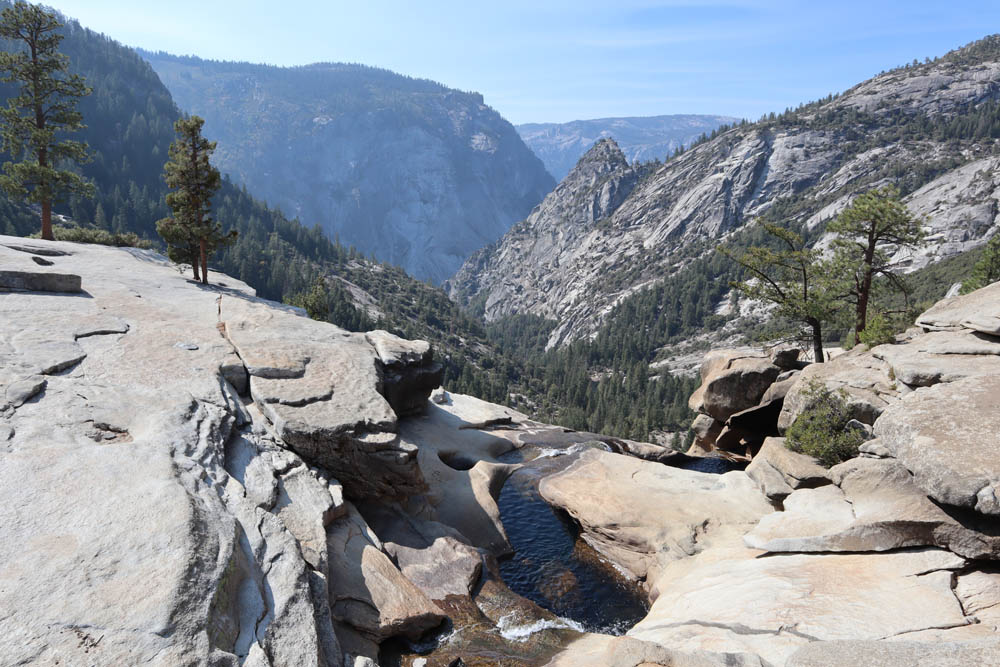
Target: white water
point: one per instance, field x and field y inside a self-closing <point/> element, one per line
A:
<point x="520" y="633"/>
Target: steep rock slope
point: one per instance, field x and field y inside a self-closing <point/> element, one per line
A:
<point x="930" y="129"/>
<point x="416" y="173"/>
<point x="641" y="138"/>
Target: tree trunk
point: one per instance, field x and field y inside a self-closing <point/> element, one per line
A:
<point x="861" y="315"/>
<point x="204" y="262"/>
<point x="47" y="221"/>
<point x="817" y="342"/>
<point x="194" y="268"/>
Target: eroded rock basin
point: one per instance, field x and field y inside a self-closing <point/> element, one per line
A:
<point x="552" y="566"/>
<point x="553" y="590"/>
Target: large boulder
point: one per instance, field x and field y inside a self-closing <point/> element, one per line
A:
<point x="367" y="590"/>
<point x="946" y="435"/>
<point x="322" y="389"/>
<point x="650" y="514"/>
<point x="731" y="381"/>
<point x="409" y="372"/>
<point x="978" y="311"/>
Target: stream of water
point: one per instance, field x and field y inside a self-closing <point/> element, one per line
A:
<point x="552" y="566"/>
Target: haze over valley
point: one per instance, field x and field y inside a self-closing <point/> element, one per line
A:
<point x="534" y="334"/>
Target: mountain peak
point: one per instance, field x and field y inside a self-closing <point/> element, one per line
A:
<point x="604" y="157"/>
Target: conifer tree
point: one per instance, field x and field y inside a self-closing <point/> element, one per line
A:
<point x="45" y="106"/>
<point x="792" y="277"/>
<point x="192" y="235"/>
<point x="875" y="221"/>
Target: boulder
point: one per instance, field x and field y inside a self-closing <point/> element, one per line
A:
<point x="865" y="381"/>
<point x="978" y="311"/>
<point x="946" y="435"/>
<point x="409" y="372"/>
<point x="433" y="556"/>
<point x="874" y="507"/>
<point x="847" y="653"/>
<point x="785" y="357"/>
<point x="367" y="591"/>
<point x="321" y="388"/>
<point x="650" y="514"/>
<point x="40" y="281"/>
<point x="778" y="470"/>
<point x="706" y="431"/>
<point x="732" y="381"/>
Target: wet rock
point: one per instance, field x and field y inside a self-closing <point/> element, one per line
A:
<point x="945" y="435"/>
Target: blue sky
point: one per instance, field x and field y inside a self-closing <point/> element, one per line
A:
<point x="562" y="60"/>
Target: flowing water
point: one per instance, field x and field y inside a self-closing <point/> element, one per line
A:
<point x="552" y="566"/>
<point x="554" y="587"/>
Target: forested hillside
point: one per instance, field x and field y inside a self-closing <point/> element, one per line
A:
<point x="130" y="118"/>
<point x="406" y="169"/>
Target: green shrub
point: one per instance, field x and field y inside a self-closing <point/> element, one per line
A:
<point x="100" y="237"/>
<point x="821" y="430"/>
<point x="878" y="331"/>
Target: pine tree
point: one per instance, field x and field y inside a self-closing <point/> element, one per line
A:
<point x="192" y="234"/>
<point x="45" y="106"/>
<point x="793" y="278"/>
<point x="873" y="221"/>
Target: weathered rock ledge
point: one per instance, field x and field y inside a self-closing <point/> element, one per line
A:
<point x="198" y="476"/>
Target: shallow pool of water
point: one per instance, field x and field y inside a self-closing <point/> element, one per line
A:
<point x="553" y="567"/>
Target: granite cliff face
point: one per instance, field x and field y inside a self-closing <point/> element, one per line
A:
<point x="194" y="475"/>
<point x="915" y="127"/>
<point x="641" y="138"/>
<point x="416" y="173"/>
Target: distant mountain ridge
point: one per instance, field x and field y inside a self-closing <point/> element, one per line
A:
<point x="641" y="138"/>
<point x="409" y="170"/>
<point x="931" y="129"/>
